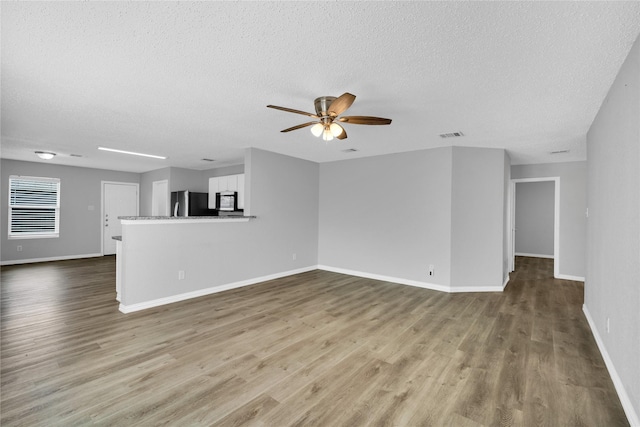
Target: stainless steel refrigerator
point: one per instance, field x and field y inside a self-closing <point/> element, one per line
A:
<point x="190" y="203"/>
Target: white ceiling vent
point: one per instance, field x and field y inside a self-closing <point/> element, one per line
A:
<point x="208" y="160"/>
<point x="559" y="151"/>
<point x="349" y="150"/>
<point x="451" y="135"/>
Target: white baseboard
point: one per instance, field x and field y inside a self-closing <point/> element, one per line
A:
<point x="399" y="280"/>
<point x="534" y="255"/>
<point x="632" y="417"/>
<point x="207" y="291"/>
<point x="460" y="289"/>
<point x="55" y="258"/>
<point x="569" y="277"/>
<point x="419" y="284"/>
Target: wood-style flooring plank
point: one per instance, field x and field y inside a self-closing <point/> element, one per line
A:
<point x="317" y="348"/>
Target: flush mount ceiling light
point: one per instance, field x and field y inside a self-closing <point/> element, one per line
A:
<point x="328" y="108"/>
<point x="45" y="155"/>
<point x="131" y="152"/>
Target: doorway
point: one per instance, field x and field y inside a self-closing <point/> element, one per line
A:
<point x="118" y="199"/>
<point x="160" y="198"/>
<point x="556" y="220"/>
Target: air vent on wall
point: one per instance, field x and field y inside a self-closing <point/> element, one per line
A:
<point x="451" y="135"/>
<point x="208" y="160"/>
<point x="559" y="151"/>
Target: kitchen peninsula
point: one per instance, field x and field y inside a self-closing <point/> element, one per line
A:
<point x="161" y="260"/>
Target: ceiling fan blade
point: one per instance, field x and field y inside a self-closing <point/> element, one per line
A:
<point x="365" y="120"/>
<point x="304" y="125"/>
<point x="291" y="110"/>
<point x="340" y="104"/>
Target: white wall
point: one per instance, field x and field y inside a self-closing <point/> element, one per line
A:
<point x="535" y="211"/>
<point x="612" y="287"/>
<point x="573" y="204"/>
<point x="80" y="211"/>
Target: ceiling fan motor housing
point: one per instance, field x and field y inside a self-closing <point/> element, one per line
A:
<point x="322" y="105"/>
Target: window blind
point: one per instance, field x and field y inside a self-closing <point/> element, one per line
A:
<point x="34" y="207"/>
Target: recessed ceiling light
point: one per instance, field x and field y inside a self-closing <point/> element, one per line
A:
<point x="131" y="152"/>
<point x="45" y="155"/>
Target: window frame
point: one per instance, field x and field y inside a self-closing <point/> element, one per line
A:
<point x="12" y="235"/>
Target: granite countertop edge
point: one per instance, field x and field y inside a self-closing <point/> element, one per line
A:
<point x="185" y="218"/>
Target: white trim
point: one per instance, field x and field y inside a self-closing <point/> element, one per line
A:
<point x="54" y="258"/>
<point x="401" y="281"/>
<point x="505" y="282"/>
<point x="182" y="220"/>
<point x="416" y="283"/>
<point x="632" y="417"/>
<point x="207" y="291"/>
<point x="155" y="192"/>
<point x="534" y="255"/>
<point x="570" y="277"/>
<point x="556" y="216"/>
<point x="102" y="184"/>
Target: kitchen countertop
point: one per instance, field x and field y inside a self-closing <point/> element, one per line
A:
<point x="166" y="220"/>
<point x="183" y="218"/>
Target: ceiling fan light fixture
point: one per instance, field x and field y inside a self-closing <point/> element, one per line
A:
<point x="45" y="155"/>
<point x="336" y="129"/>
<point x="317" y="129"/>
<point x="327" y="135"/>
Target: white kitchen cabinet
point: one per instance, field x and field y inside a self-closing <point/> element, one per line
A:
<point x="241" y="191"/>
<point x="219" y="184"/>
<point x="214" y="188"/>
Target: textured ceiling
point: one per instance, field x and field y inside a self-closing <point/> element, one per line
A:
<point x="191" y="80"/>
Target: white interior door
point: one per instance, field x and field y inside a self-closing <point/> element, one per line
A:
<point x="160" y="198"/>
<point x="118" y="199"/>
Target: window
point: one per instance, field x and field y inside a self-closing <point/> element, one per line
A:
<point x="34" y="207"/>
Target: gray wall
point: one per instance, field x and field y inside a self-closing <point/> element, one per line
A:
<point x="146" y="187"/>
<point x="388" y="215"/>
<point x="477" y="216"/>
<point x="285" y="201"/>
<point x="505" y="214"/>
<point x="612" y="287"/>
<point x="222" y="171"/>
<point x="535" y="211"/>
<point x="80" y="210"/>
<point x="187" y="179"/>
<point x="393" y="216"/>
<point x="573" y="204"/>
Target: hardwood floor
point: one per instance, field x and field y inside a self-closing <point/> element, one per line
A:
<point x="318" y="348"/>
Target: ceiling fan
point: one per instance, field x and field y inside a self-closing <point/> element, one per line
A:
<point x="328" y="108"/>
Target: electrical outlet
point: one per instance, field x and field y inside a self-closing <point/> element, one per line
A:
<point x="181" y="275"/>
<point x="293" y="257"/>
<point x="608" y="325"/>
<point x="19" y="248"/>
<point x="431" y="271"/>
